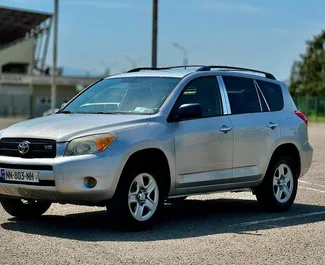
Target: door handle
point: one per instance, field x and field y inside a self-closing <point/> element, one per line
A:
<point x="225" y="129"/>
<point x="272" y="125"/>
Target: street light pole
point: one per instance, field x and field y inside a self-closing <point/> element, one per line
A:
<point x="133" y="60"/>
<point x="154" y="33"/>
<point x="183" y="50"/>
<point x="108" y="67"/>
<point x="55" y="47"/>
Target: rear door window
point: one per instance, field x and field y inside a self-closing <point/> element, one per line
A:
<point x="262" y="99"/>
<point x="242" y="95"/>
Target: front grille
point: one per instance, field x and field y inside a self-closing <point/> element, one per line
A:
<point x="37" y="148"/>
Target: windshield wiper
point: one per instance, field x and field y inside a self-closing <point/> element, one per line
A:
<point x="102" y="112"/>
<point x="94" y="112"/>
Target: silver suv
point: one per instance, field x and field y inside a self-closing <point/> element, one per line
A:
<point x="132" y="141"/>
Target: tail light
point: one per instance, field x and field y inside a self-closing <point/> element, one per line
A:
<point x="302" y="116"/>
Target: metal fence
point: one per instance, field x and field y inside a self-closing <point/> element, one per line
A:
<point x="312" y="106"/>
<point x="25" y="106"/>
<point x="15" y="105"/>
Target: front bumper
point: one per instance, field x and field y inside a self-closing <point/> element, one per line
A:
<point x="62" y="178"/>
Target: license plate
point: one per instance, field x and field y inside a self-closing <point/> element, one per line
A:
<point x="19" y="175"/>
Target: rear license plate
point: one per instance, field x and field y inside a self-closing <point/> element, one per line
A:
<point x="19" y="175"/>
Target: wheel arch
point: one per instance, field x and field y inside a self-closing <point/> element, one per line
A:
<point x="156" y="158"/>
<point x="290" y="150"/>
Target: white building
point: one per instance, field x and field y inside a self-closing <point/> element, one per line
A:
<point x="25" y="80"/>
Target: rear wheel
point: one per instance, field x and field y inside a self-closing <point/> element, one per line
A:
<point x="25" y="209"/>
<point x="139" y="199"/>
<point x="279" y="188"/>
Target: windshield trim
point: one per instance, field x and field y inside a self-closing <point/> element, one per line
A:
<point x="123" y="113"/>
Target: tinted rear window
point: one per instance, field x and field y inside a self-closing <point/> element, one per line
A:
<point x="273" y="94"/>
<point x="264" y="106"/>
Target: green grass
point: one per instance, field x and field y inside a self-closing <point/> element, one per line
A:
<point x="314" y="118"/>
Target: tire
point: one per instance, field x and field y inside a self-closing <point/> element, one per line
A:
<point x="279" y="187"/>
<point x="29" y="209"/>
<point x="176" y="199"/>
<point x="139" y="199"/>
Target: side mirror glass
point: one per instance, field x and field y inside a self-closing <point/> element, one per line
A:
<point x="189" y="111"/>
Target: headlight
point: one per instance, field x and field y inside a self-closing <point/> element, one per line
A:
<point x="89" y="144"/>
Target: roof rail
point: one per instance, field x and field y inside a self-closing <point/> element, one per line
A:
<point x="163" y="68"/>
<point x="209" y="67"/>
<point x="140" y="69"/>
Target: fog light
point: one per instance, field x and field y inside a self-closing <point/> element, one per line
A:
<point x="90" y="182"/>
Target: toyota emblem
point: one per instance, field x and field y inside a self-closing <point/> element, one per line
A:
<point x="23" y="147"/>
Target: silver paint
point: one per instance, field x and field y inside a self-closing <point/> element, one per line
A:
<point x="204" y="155"/>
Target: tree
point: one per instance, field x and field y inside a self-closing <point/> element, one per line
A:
<point x="308" y="74"/>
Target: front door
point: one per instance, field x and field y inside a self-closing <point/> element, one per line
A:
<point x="203" y="146"/>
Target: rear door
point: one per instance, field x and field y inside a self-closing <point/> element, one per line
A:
<point x="256" y="128"/>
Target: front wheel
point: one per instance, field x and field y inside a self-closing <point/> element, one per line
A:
<point x="25" y="209"/>
<point x="139" y="200"/>
<point x="279" y="188"/>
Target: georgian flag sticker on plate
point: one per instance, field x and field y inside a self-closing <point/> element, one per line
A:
<point x="19" y="176"/>
<point x="3" y="174"/>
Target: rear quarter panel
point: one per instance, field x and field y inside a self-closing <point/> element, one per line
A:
<point x="293" y="129"/>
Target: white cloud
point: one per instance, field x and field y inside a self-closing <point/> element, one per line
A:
<point x="102" y="4"/>
<point x="232" y="6"/>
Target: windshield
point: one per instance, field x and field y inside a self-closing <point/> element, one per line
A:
<point x="134" y="95"/>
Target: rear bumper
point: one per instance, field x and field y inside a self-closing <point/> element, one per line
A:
<point x="306" y="158"/>
<point x="63" y="177"/>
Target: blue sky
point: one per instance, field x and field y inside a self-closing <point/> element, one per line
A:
<point x="267" y="35"/>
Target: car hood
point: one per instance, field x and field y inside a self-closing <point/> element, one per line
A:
<point x="64" y="127"/>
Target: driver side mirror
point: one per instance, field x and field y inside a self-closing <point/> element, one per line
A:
<point x="63" y="105"/>
<point x="189" y="111"/>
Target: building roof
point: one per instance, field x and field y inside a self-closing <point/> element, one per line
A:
<point x="15" y="23"/>
<point x="20" y="79"/>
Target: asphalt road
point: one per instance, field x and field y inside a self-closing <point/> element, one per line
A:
<point x="224" y="228"/>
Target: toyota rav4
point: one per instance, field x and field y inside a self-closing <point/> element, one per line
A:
<point x="131" y="141"/>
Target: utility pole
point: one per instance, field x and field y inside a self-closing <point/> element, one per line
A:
<point x="154" y="33"/>
<point x="55" y="47"/>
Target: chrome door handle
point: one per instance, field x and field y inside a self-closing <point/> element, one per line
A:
<point x="225" y="129"/>
<point x="272" y="125"/>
